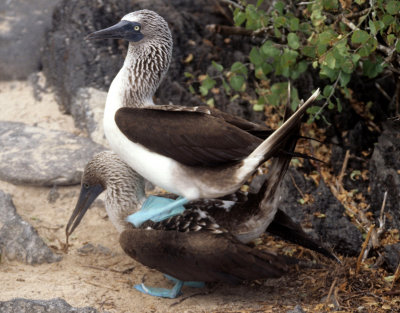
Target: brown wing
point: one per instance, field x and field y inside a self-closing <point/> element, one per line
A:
<point x="193" y="138"/>
<point x="201" y="256"/>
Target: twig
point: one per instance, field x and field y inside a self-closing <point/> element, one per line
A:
<point x="235" y="30"/>
<point x="329" y="97"/>
<point x="331" y="290"/>
<point x="297" y="187"/>
<point x="233" y="3"/>
<point x="305" y="2"/>
<point x="364" y="246"/>
<point x="101" y="286"/>
<point x="396" y="275"/>
<point x="108" y="269"/>
<point x="382" y="217"/>
<point x="379" y="87"/>
<point x="357" y="14"/>
<point x="339" y="182"/>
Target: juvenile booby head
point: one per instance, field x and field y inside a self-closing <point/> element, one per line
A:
<point x="195" y="153"/>
<point x="124" y="190"/>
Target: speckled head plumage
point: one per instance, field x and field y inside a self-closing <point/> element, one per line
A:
<point x="124" y="190"/>
<point x="149" y="54"/>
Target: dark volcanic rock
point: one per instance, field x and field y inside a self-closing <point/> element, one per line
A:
<point x="331" y="224"/>
<point x="392" y="256"/>
<point x="36" y="156"/>
<point x="57" y="305"/>
<point x="23" y="24"/>
<point x="18" y="239"/>
<point x="385" y="176"/>
<point x="95" y="63"/>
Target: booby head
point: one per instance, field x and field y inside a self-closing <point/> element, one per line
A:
<point x="143" y="25"/>
<point x="124" y="190"/>
<point x="147" y="60"/>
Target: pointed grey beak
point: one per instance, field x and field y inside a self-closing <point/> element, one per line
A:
<point x="122" y="30"/>
<point x="86" y="198"/>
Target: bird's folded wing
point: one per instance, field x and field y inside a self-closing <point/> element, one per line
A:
<point x="191" y="136"/>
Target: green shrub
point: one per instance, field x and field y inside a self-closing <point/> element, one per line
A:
<point x="335" y="38"/>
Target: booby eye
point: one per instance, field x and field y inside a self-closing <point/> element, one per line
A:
<point x="86" y="185"/>
<point x="136" y="28"/>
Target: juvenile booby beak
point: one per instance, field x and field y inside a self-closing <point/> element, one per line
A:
<point x="86" y="197"/>
<point x="123" y="30"/>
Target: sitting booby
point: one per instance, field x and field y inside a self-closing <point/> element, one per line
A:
<point x="194" y="152"/>
<point x="203" y="243"/>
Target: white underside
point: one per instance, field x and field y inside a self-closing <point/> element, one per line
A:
<point x="160" y="170"/>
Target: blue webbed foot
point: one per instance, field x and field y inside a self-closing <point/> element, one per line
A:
<point x="157" y="209"/>
<point x="192" y="284"/>
<point x="161" y="292"/>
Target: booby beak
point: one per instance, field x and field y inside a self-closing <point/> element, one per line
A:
<point x="86" y="198"/>
<point x="123" y="30"/>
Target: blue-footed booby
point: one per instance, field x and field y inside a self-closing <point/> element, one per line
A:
<point x="206" y="242"/>
<point x="194" y="152"/>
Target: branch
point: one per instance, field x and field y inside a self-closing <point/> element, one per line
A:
<point x="235" y="30"/>
<point x="233" y="3"/>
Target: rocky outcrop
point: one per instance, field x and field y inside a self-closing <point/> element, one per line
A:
<point x="42" y="157"/>
<point x="18" y="239"/>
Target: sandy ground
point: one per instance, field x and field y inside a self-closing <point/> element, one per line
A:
<point x="103" y="278"/>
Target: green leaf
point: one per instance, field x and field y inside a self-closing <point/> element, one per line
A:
<point x="398" y="46"/>
<point x="279" y="21"/>
<point x="217" y="66"/>
<point x="203" y="91"/>
<point x="330" y="105"/>
<point x="330" y="60"/>
<point x="327" y="90"/>
<point x="258" y="107"/>
<point x="279" y="6"/>
<point x="237" y="82"/>
<point x="330" y="4"/>
<point x="344" y="79"/>
<point x="188" y="75"/>
<point x="255" y="57"/>
<point x="239" y="68"/>
<point x="372" y="69"/>
<point x="259" y="2"/>
<point x="326" y="37"/>
<point x="293" y="41"/>
<point x="339" y="104"/>
<point x="328" y="72"/>
<point x="266" y="68"/>
<point x="309" y="51"/>
<point x="210" y="102"/>
<point x="268" y="50"/>
<point x="359" y="36"/>
<point x="390" y="39"/>
<point x="226" y="86"/>
<point x="387" y="19"/>
<point x="294" y="23"/>
<point x="347" y="66"/>
<point x="191" y="89"/>
<point x="393" y="7"/>
<point x="208" y="83"/>
<point x="356" y="174"/>
<point x="313" y="109"/>
<point x="239" y="17"/>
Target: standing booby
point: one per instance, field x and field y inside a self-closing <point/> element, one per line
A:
<point x="188" y="151"/>
<point x="202" y="243"/>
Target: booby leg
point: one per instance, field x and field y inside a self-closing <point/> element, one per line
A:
<point x="161" y="292"/>
<point x="157" y="209"/>
<point x="193" y="284"/>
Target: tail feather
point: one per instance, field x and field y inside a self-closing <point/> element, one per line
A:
<point x="269" y="146"/>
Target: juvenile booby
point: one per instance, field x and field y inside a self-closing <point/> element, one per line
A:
<point x="193" y="152"/>
<point x="202" y="243"/>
